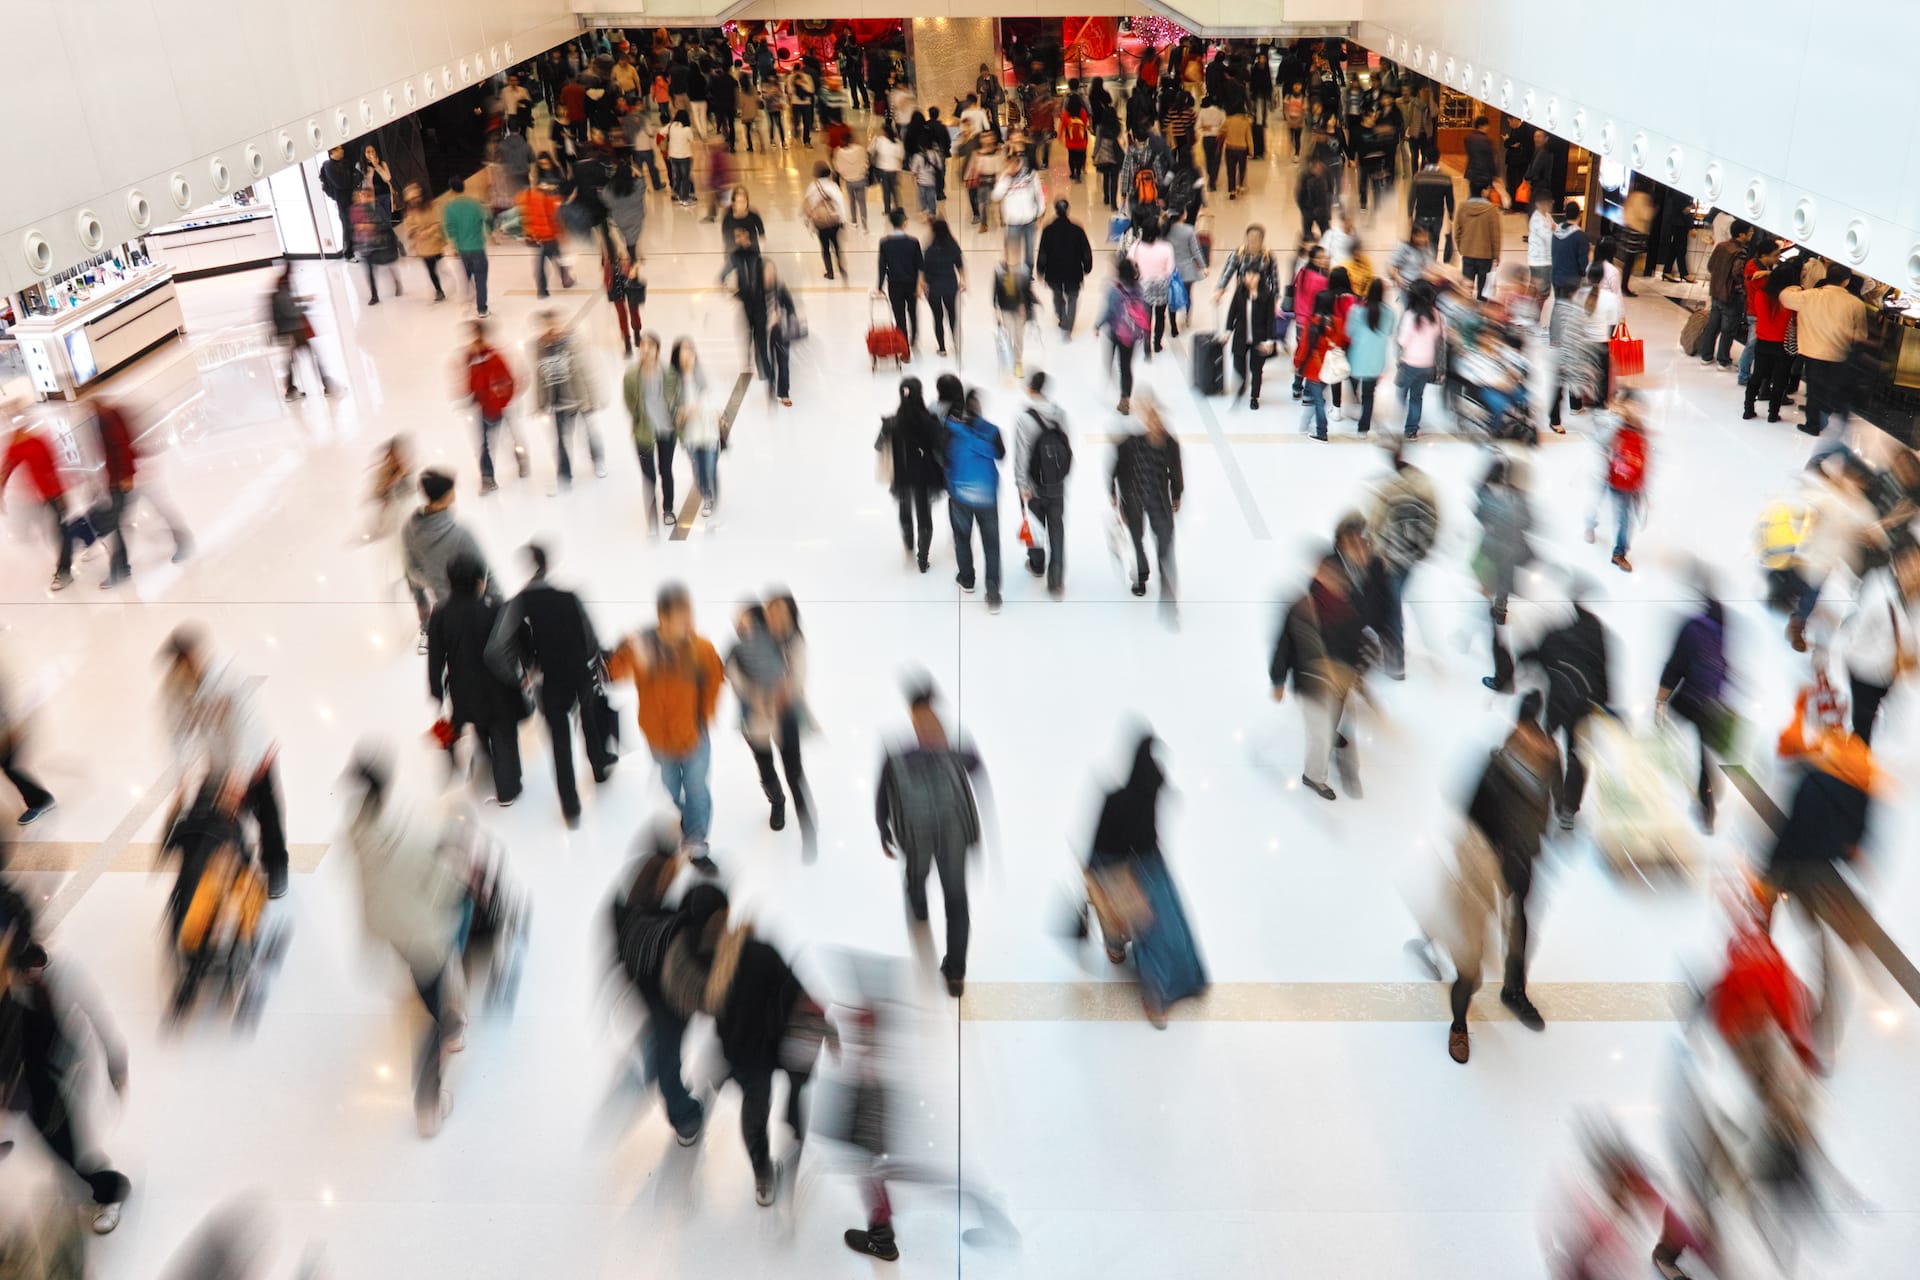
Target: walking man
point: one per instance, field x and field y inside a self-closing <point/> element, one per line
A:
<point x="678" y="676"/>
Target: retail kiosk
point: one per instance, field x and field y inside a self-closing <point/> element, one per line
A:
<point x="94" y="318"/>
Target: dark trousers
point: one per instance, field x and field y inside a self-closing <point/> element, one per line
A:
<point x="1051" y="514"/>
<point x="916" y="505"/>
<point x="557" y="704"/>
<point x="1696" y="717"/>
<point x="661" y="1048"/>
<point x="664" y="446"/>
<point x="1110" y="185"/>
<point x="964" y="516"/>
<point x="563" y="421"/>
<point x="1769" y="380"/>
<point x="1076" y="164"/>
<point x="1123" y="352"/>
<point x="789" y="744"/>
<point x="1826" y="391"/>
<point x="803" y="121"/>
<point x="1673" y="255"/>
<point x="1573" y="774"/>
<point x="1363" y="389"/>
<point x="1502" y="654"/>
<point x="1211" y="148"/>
<point x="499" y="741"/>
<point x="1725" y="323"/>
<point x="32" y="794"/>
<point x="52" y="1117"/>
<point x="627" y="310"/>
<point x="544" y="250"/>
<point x="943" y="301"/>
<point x="653" y="167"/>
<point x="1514" y="979"/>
<point x="651" y="474"/>
<point x="830" y="249"/>
<point x="476" y="266"/>
<point x="756" y="1106"/>
<point x="263" y="802"/>
<point x="776" y="368"/>
<point x="905" y="301"/>
<point x="1160" y="519"/>
<point x="66" y="535"/>
<point x="1476" y="270"/>
<point x="1165" y="318"/>
<point x="345" y="208"/>
<point x="1066" y="306"/>
<point x="1250" y="363"/>
<point x="1236" y="169"/>
<point x="952" y="865"/>
<point x="432" y="263"/>
<point x="1867" y="698"/>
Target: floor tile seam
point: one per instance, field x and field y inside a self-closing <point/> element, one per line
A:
<point x="1320" y="1002"/>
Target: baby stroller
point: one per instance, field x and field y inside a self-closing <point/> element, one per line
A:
<point x="215" y="914"/>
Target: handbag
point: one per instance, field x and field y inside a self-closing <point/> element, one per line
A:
<point x="1177" y="297"/>
<point x="1446" y="253"/>
<point x="1627" y="353"/>
<point x="1333" y="367"/>
<point x="1523" y="194"/>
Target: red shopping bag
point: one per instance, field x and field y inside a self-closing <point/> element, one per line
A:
<point x="1628" y="353"/>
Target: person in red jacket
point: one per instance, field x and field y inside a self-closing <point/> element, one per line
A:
<point x="491" y="387"/>
<point x="29" y="449"/>
<point x="1766" y="277"/>
<point x="122" y="466"/>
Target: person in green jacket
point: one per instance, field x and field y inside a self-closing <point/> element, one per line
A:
<point x="467" y="222"/>
<point x="652" y="393"/>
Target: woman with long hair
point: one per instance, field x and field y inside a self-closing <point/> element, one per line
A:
<point x="913" y="452"/>
<point x="1107" y="154"/>
<point x="1579" y="334"/>
<point x="1340" y="285"/>
<point x="944" y="269"/>
<point x="1309" y="279"/>
<point x="1322" y="334"/>
<point x="697" y="423"/>
<point x="1368" y="326"/>
<point x="1418" y="336"/>
<point x="651" y="390"/>
<point x="1152" y="257"/>
<point x="1771" y="362"/>
<point x="740" y="215"/>
<point x="680" y="158"/>
<point x="1128" y="321"/>
<point x="425" y="238"/>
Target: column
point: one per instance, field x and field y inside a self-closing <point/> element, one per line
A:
<point x="947" y="53"/>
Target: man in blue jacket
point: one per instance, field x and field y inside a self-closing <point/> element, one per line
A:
<point x="974" y="450"/>
<point x="1570" y="252"/>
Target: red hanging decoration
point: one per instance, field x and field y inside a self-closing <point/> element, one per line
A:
<point x="1089" y="39"/>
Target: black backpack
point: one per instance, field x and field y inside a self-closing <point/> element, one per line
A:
<point x="1052" y="455"/>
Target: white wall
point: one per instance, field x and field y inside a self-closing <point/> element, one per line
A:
<point x="1796" y="117"/>
<point x="110" y="98"/>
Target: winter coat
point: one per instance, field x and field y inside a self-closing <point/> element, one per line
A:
<point x="431" y="541"/>
<point x="411" y="890"/>
<point x="1066" y="255"/>
<point x="918" y="447"/>
<point x="457" y="636"/>
<point x="1476" y="229"/>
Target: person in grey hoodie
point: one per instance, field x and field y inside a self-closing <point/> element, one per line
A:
<point x="563" y="386"/>
<point x="1042" y="456"/>
<point x="431" y="541"/>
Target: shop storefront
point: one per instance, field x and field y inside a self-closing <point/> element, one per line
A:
<point x="91" y="319"/>
<point x="235" y="234"/>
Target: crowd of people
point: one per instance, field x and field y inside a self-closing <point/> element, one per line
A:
<point x="430" y="878"/>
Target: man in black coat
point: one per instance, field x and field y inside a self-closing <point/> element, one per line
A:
<point x="340" y="178"/>
<point x="1574" y="660"/>
<point x="546" y="629"/>
<point x="457" y="635"/>
<point x="1479" y="155"/>
<point x="898" y="279"/>
<point x="1066" y="258"/>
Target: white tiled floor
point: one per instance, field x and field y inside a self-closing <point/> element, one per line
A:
<point x="1309" y="1148"/>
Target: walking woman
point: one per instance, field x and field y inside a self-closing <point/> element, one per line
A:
<point x="944" y="271"/>
<point x="625" y="197"/>
<point x="697" y="423"/>
<point x="652" y="393"/>
<point x="768" y="671"/>
<point x="1152" y="257"/>
<point x="784" y="327"/>
<point x="1368" y="327"/>
<point x="912" y="448"/>
<point x="1771" y="362"/>
<point x="1322" y="335"/>
<point x="424" y="236"/>
<point x="825" y="210"/>
<point x="1127" y="321"/>
<point x="375" y="243"/>
<point x="626" y="290"/>
<point x="740" y="215"/>
<point x="1578" y="329"/>
<point x="1418" y="337"/>
<point x="379" y="179"/>
<point x="1107" y="156"/>
<point x="680" y="159"/>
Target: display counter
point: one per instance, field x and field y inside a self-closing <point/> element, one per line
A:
<point x="72" y="347"/>
<point x="230" y="241"/>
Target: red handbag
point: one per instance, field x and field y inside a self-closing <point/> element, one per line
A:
<point x="1628" y="353"/>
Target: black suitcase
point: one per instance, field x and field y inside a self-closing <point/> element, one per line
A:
<point x="1209" y="364"/>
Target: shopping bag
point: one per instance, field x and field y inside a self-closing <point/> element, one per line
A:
<point x="1117" y="226"/>
<point x="1523" y="194"/>
<point x="1177" y="298"/>
<point x="1628" y="353"/>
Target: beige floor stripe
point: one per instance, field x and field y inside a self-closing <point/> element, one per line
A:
<point x="55" y="855"/>
<point x="1322" y="1002"/>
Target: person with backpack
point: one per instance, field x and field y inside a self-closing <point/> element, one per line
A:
<point x="1404" y="523"/>
<point x="911" y="444"/>
<point x="974" y="449"/>
<point x="1127" y="321"/>
<point x="1145" y="484"/>
<point x="1075" y="137"/>
<point x="928" y="813"/>
<point x="1141" y="180"/>
<point x="1107" y="156"/>
<point x="491" y="387"/>
<point x="1042" y="457"/>
<point x="1573" y="659"/>
<point x="650" y="940"/>
<point x="1626" y="453"/>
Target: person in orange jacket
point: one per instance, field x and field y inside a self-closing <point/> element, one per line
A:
<point x="678" y="675"/>
<point x="540" y="223"/>
<point x="29" y="449"/>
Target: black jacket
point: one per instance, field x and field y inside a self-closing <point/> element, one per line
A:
<point x="1299" y="653"/>
<point x="918" y="447"/>
<point x="1145" y="476"/>
<point x="339" y="179"/>
<point x="1574" y="659"/>
<point x="457" y="636"/>
<point x="900" y="263"/>
<point x="1235" y="319"/>
<point x="1479" y="158"/>
<point x="546" y="629"/>
<point x="1066" y="255"/>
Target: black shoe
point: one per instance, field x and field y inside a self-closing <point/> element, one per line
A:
<point x="704" y="864"/>
<point x="1254" y="403"/>
<point x="1495" y="685"/>
<point x="1140" y="588"/>
<point x="877" y="1243"/>
<point x="1320" y="789"/>
<point x="922" y="562"/>
<point x="777" y="817"/>
<point x="573" y="819"/>
<point x="277" y="883"/>
<point x="1747" y="414"/>
<point x="1523" y="1011"/>
<point x="956" y="986"/>
<point x="33" y="813"/>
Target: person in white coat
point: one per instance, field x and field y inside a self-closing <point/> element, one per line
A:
<point x="1882" y="638"/>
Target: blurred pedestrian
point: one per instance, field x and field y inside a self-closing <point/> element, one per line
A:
<point x="1693" y="685"/>
<point x="929" y="815"/>
<point x="650" y="941"/>
<point x="973" y="451"/>
<point x="1146" y="483"/>
<point x="563" y="386"/>
<point x="898" y="278"/>
<point x="34" y="798"/>
<point x="544" y="634"/>
<point x="465" y="223"/>
<point x="651" y="392"/>
<point x="425" y="238"/>
<point x="1042" y="460"/>
<point x="1065" y="259"/>
<point x="825" y="210"/>
<point x="943" y="268"/>
<point x="376" y="243"/>
<point x="697" y="424"/>
<point x="1573" y="658"/>
<point x="1882" y="636"/>
<point x="431" y="541"/>
<point x="29" y="449"/>
<point x="912" y="448"/>
<point x="490" y="385"/>
<point x="287" y="312"/>
<point x="458" y="676"/>
<point x="1128" y="322"/>
<point x="1506" y="521"/>
<point x="677" y="675"/>
<point x="767" y="670"/>
<point x="1403" y="524"/>
<point x="1249" y="319"/>
<point x="1014" y="306"/>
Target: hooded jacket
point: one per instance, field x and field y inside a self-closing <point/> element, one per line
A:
<point x="1129" y="818"/>
<point x="1476" y="229"/>
<point x="433" y="540"/>
<point x="1574" y="658"/>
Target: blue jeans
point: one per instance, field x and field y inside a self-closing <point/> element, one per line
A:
<point x="542" y="251"/>
<point x="706" y="472"/>
<point x="1023" y="234"/>
<point x="487" y="426"/>
<point x="660" y="1048"/>
<point x="476" y="265"/>
<point x="1726" y="320"/>
<point x="686" y="782"/>
<point x="1411" y="381"/>
<point x="964" y="515"/>
<point x="1746" y="355"/>
<point x="1313" y="412"/>
<point x="1623" y="505"/>
<point x="680" y="172"/>
<point x="1394" y="642"/>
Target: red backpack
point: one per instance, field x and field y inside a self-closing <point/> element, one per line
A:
<point x="1074" y="133"/>
<point x="1627" y="462"/>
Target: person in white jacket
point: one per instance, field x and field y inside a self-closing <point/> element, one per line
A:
<point x="1540" y="243"/>
<point x="216" y="729"/>
<point x="413" y="897"/>
<point x="1882" y="638"/>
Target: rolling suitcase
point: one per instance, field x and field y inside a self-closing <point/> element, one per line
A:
<point x="1209" y="364"/>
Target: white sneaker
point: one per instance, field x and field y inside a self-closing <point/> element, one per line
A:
<point x="105" y="1219"/>
<point x="706" y="508"/>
